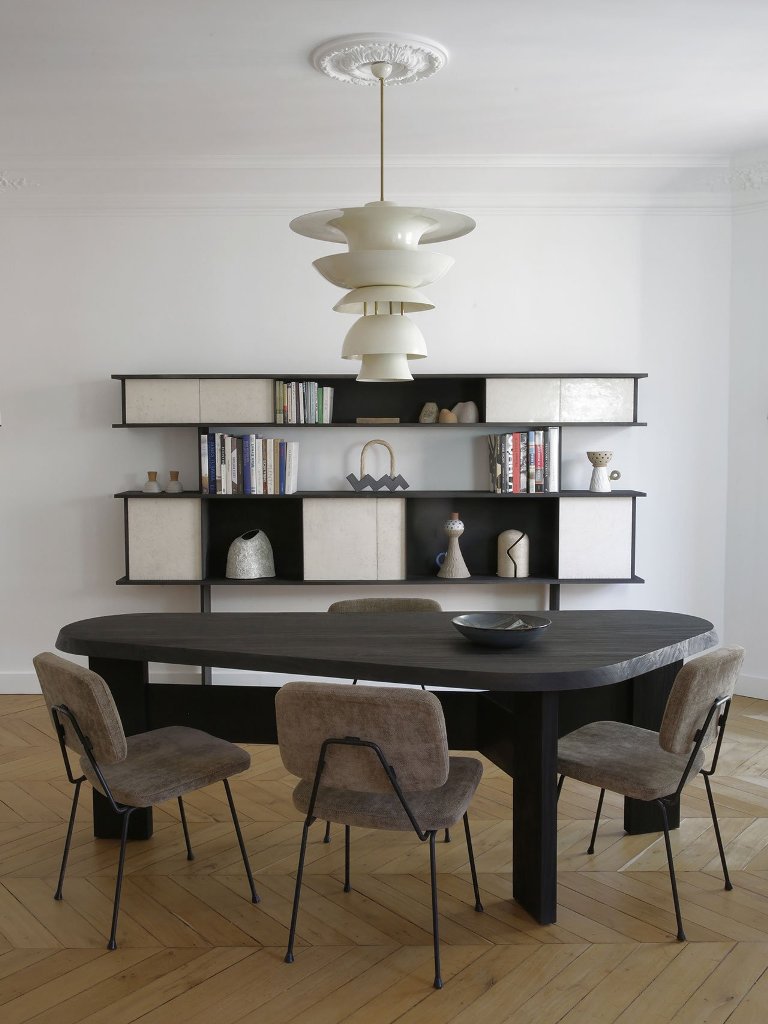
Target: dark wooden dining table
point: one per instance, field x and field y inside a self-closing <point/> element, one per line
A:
<point x="510" y="705"/>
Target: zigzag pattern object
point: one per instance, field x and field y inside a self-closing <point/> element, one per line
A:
<point x="389" y="481"/>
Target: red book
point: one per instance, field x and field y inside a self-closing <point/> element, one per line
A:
<point x="516" y="462"/>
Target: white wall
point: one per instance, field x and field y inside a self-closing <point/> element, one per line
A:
<point x="91" y="292"/>
<point x="747" y="550"/>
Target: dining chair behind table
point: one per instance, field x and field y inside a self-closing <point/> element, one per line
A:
<point x="139" y="771"/>
<point x="656" y="766"/>
<point x="374" y="757"/>
<point x="387" y="606"/>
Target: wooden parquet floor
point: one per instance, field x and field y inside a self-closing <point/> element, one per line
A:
<point x="194" y="950"/>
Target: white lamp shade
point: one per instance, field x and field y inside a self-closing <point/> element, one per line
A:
<point x="364" y="300"/>
<point x="384" y="368"/>
<point x="384" y="335"/>
<point x="383" y="267"/>
<point x="383" y="225"/>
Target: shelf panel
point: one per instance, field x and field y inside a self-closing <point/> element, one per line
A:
<point x="500" y="428"/>
<point x="411" y="581"/>
<point x="459" y="495"/>
<point x="352" y="376"/>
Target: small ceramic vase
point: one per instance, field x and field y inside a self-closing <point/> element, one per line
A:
<point x="513" y="551"/>
<point x="250" y="557"/>
<point x="429" y="413"/>
<point x="152" y="486"/>
<point x="466" y="412"/>
<point x="174" y="484"/>
<point x="601" y="478"/>
<point x="453" y="566"/>
<point x="447" y="416"/>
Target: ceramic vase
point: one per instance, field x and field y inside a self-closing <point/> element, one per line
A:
<point x="250" y="557"/>
<point x="152" y="486"/>
<point x="601" y="478"/>
<point x="513" y="552"/>
<point x="175" y="485"/>
<point x="453" y="566"/>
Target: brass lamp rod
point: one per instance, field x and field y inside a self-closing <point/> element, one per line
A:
<point x="381" y="70"/>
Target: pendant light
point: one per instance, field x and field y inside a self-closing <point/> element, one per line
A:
<point x="387" y="263"/>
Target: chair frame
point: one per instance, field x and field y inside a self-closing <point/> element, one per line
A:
<point x="424" y="836"/>
<point x="125" y="811"/>
<point x="666" y="802"/>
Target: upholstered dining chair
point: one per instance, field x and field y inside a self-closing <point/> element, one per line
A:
<point x="386" y="605"/>
<point x="656" y="766"/>
<point x="374" y="757"/>
<point x="132" y="772"/>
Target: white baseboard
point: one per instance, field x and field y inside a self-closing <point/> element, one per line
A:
<point x="753" y="686"/>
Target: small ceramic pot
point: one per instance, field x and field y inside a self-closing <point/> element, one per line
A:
<point x="175" y="485"/>
<point x="152" y="486"/>
<point x="250" y="557"/>
<point x="601" y="478"/>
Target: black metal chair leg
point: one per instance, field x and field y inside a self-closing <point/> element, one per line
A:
<point x="112" y="944"/>
<point x="327" y="836"/>
<point x="721" y="850"/>
<point x="673" y="880"/>
<point x="438" y="982"/>
<point x="347" y="887"/>
<point x="470" y="851"/>
<point x="591" y="847"/>
<point x="190" y="855"/>
<point x="65" y="857"/>
<point x="255" y="898"/>
<point x="560" y="782"/>
<point x="297" y="891"/>
<point x="447" y="837"/>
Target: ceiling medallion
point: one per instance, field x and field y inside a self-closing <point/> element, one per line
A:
<point x="387" y="264"/>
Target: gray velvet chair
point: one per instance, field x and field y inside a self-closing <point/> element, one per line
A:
<point x="656" y="766"/>
<point x="132" y="772"/>
<point x="375" y="757"/>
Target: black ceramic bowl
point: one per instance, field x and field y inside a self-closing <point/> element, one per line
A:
<point x="497" y="629"/>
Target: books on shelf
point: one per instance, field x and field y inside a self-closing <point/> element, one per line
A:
<point x="248" y="464"/>
<point x="525" y="462"/>
<point x="303" y="401"/>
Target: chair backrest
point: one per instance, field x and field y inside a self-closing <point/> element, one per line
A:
<point x="88" y="698"/>
<point x="696" y="687"/>
<point x="408" y="726"/>
<point x="385" y="604"/>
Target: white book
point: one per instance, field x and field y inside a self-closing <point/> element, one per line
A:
<point x="328" y="405"/>
<point x="226" y="473"/>
<point x="270" y="466"/>
<point x="250" y="469"/>
<point x="204" y="463"/>
<point x="294" y="478"/>
<point x="554" y="458"/>
<point x="219" y="462"/>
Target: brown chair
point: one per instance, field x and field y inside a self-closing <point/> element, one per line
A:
<point x="656" y="766"/>
<point x="375" y="757"/>
<point x="132" y="772"/>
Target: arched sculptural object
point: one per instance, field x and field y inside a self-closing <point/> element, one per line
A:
<point x="513" y="554"/>
<point x="389" y="480"/>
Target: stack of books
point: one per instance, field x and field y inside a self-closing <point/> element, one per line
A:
<point x="525" y="462"/>
<point x="248" y="464"/>
<point x="303" y="401"/>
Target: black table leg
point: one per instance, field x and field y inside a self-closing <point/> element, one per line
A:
<point x="534" y="809"/>
<point x="648" y="699"/>
<point x="129" y="683"/>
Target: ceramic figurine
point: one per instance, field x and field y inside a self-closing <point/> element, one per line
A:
<point x="601" y="478"/>
<point x="152" y="486"/>
<point x="250" y="557"/>
<point x="513" y="551"/>
<point x="453" y="566"/>
<point x="429" y="413"/>
<point x="466" y="412"/>
<point x="446" y="416"/>
<point x="175" y="485"/>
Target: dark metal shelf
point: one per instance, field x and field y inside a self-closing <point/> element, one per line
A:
<point x="541" y="496"/>
<point x="389" y="426"/>
<point x="410" y="581"/>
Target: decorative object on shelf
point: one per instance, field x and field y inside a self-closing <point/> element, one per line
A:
<point x="152" y="486"/>
<point x="175" y="485"/>
<point x="250" y="557"/>
<point x="513" y="554"/>
<point x="453" y="566"/>
<point x="387" y="262"/>
<point x="601" y="478"/>
<point x="467" y="412"/>
<point x="372" y="420"/>
<point x="446" y="416"/>
<point x="389" y="480"/>
<point x="429" y="413"/>
<point x="501" y="629"/>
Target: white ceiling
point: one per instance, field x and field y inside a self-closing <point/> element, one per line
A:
<point x="157" y="79"/>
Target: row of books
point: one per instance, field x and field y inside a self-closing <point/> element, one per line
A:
<point x="248" y="464"/>
<point x="303" y="401"/>
<point x="525" y="462"/>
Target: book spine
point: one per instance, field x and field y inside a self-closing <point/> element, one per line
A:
<point x="203" y="463"/>
<point x="531" y="488"/>
<point x="294" y="466"/>
<point x="211" y="439"/>
<point x="270" y="467"/>
<point x="281" y="467"/>
<point x="264" y="446"/>
<point x="554" y="458"/>
<point x="330" y="406"/>
<point x="219" y="463"/>
<point x="539" y="474"/>
<point x="320" y="404"/>
<point x="246" y="450"/>
<point x="255" y="464"/>
<point x="516" y="463"/>
<point x="545" y="475"/>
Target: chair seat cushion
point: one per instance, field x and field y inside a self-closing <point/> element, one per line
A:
<point x="623" y="759"/>
<point x="432" y="808"/>
<point x="166" y="763"/>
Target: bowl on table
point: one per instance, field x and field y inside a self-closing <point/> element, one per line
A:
<point x="501" y="629"/>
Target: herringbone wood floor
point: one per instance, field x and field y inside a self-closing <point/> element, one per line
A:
<point x="194" y="949"/>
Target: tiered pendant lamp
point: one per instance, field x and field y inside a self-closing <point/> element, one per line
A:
<point x="387" y="263"/>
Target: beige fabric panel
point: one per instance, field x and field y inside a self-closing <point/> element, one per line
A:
<point x="697" y="686"/>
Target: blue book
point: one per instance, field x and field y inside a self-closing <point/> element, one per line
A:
<point x="246" y="463"/>
<point x="282" y="468"/>
<point x="211" y="463"/>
